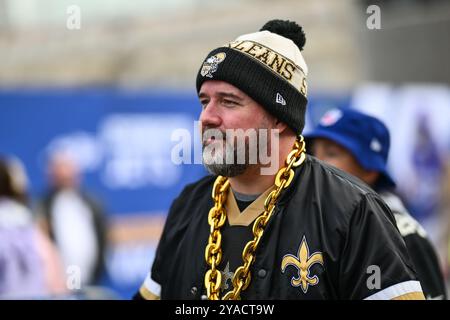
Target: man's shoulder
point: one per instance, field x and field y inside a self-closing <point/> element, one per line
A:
<point x="195" y="193"/>
<point x="194" y="199"/>
<point x="198" y="187"/>
<point x="329" y="175"/>
<point x="407" y="225"/>
<point x="339" y="194"/>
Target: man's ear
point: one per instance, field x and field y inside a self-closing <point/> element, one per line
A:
<point x="281" y="126"/>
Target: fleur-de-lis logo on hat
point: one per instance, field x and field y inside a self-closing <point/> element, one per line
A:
<point x="211" y="64"/>
<point x="303" y="263"/>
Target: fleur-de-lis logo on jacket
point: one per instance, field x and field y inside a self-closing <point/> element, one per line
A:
<point x="303" y="263"/>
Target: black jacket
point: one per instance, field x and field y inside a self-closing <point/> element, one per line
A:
<point x="423" y="255"/>
<point x="338" y="217"/>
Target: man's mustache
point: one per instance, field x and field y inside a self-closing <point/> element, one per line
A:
<point x="212" y="133"/>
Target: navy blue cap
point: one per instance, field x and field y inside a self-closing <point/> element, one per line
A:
<point x="366" y="137"/>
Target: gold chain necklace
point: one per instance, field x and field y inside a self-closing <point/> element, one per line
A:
<point x="217" y="217"/>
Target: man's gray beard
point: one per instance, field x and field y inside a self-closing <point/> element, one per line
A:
<point x="226" y="169"/>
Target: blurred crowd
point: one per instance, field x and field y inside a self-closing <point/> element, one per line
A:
<point x="52" y="248"/>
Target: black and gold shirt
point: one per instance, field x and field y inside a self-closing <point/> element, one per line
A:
<point x="331" y="237"/>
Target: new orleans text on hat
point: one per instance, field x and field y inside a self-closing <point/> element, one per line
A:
<point x="275" y="61"/>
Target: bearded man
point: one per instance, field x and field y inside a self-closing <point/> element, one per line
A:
<point x="306" y="230"/>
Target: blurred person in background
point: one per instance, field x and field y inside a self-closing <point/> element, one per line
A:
<point x="74" y="219"/>
<point x="359" y="144"/>
<point x="30" y="266"/>
<point x="444" y="242"/>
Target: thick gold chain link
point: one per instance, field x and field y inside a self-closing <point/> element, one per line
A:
<point x="217" y="217"/>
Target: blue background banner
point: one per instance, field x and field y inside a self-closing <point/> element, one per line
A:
<point x="123" y="143"/>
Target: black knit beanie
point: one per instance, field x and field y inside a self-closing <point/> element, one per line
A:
<point x="268" y="66"/>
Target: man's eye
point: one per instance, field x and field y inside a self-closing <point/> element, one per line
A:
<point x="229" y="102"/>
<point x="203" y="103"/>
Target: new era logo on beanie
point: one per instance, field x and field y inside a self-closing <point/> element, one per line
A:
<point x="279" y="99"/>
<point x="265" y="64"/>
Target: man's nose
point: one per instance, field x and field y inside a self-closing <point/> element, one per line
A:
<point x="209" y="117"/>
